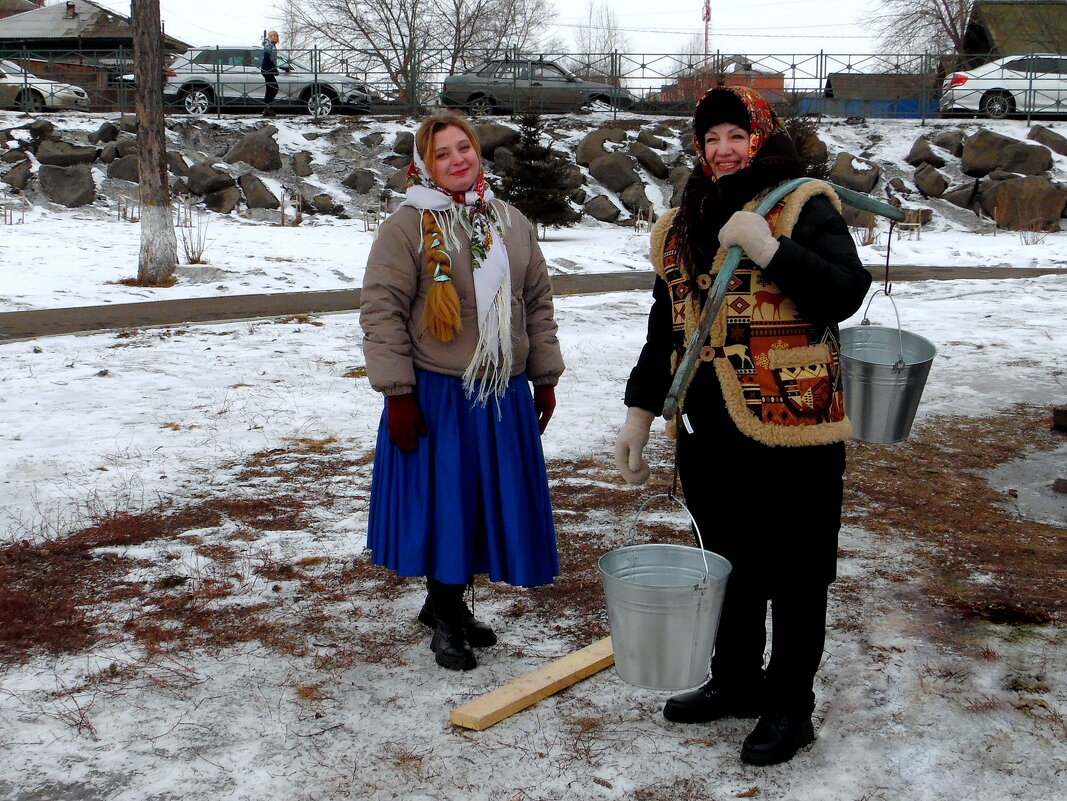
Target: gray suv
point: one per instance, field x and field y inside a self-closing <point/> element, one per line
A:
<point x="206" y="78"/>
<point x="517" y="85"/>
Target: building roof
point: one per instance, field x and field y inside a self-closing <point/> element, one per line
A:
<point x="1013" y="27"/>
<point x="8" y="7"/>
<point x="89" y="22"/>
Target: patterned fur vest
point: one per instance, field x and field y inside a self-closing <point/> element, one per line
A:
<point x="779" y="373"/>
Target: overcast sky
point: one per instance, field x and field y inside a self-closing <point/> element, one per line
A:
<point x="651" y="26"/>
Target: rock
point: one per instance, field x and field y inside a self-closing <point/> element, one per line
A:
<point x="128" y="123"/>
<point x="921" y="153"/>
<point x="107" y="132"/>
<point x="1025" y="204"/>
<point x="601" y="208"/>
<point x="492" y="136"/>
<point x="929" y="181"/>
<point x="678" y="178"/>
<point x="985" y="151"/>
<point x="649" y="159"/>
<point x="854" y="173"/>
<point x="14" y="156"/>
<point x="68" y="186"/>
<point x="39" y="130"/>
<point x="404" y="144"/>
<point x="126" y="146"/>
<point x="898" y="185"/>
<point x="857" y="218"/>
<point x="578" y="195"/>
<point x="636" y="201"/>
<point x="648" y="140"/>
<point x="125" y="169"/>
<point x="592" y="146"/>
<point x="258" y="149"/>
<point x="321" y="203"/>
<point x="205" y="180"/>
<point x="109" y="153"/>
<point x="257" y="196"/>
<point x="966" y="197"/>
<point x="178" y="188"/>
<point x="400" y="162"/>
<point x="503" y="159"/>
<point x="63" y="154"/>
<point x="311" y="136"/>
<point x="18" y="177"/>
<point x="952" y="141"/>
<point x="302" y="164"/>
<point x="575" y="177"/>
<point x="224" y="200"/>
<point x="1050" y="139"/>
<point x="615" y="171"/>
<point x="812" y="150"/>
<point x="372" y="140"/>
<point x="361" y="180"/>
<point x="398" y="182"/>
<point x="177" y="164"/>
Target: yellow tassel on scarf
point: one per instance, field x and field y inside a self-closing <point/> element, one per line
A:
<point x="442" y="315"/>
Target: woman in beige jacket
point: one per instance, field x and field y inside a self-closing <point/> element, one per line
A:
<point x="458" y="323"/>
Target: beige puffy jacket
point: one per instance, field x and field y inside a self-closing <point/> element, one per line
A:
<point x="393" y="299"/>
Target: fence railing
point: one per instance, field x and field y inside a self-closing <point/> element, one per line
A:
<point x="317" y="80"/>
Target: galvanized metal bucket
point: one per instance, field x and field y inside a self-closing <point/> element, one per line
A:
<point x="884" y="372"/>
<point x="663" y="606"/>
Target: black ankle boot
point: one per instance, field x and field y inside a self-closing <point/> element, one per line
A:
<point x="449" y="643"/>
<point x="712" y="702"/>
<point x="479" y="634"/>
<point x="777" y="738"/>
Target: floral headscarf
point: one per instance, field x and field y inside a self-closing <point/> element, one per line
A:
<point x="713" y="108"/>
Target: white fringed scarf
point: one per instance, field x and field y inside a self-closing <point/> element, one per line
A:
<point x="489" y="370"/>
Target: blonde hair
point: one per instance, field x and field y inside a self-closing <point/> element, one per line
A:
<point x="438" y="122"/>
<point x="442" y="313"/>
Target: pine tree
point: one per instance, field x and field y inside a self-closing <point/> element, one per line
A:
<point x="537" y="183"/>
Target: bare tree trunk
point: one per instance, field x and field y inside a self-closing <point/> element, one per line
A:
<point x="159" y="246"/>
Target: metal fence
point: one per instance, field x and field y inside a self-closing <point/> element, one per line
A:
<point x="229" y="79"/>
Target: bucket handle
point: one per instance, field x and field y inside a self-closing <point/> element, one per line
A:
<point x="631" y="533"/>
<point x="899" y="366"/>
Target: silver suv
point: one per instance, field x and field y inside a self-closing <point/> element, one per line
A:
<point x="205" y="78"/>
<point x="528" y="85"/>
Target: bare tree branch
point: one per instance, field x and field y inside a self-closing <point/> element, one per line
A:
<point x="921" y="26"/>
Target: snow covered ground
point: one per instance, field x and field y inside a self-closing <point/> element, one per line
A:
<point x="122" y="422"/>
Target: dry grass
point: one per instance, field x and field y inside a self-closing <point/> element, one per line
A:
<point x="71" y="593"/>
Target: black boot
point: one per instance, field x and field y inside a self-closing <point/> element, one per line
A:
<point x="449" y="643"/>
<point x="479" y="634"/>
<point x="712" y="702"/>
<point x="777" y="738"/>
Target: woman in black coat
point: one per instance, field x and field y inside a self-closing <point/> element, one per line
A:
<point x="761" y="427"/>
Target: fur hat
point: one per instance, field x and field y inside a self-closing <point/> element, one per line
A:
<point x="718" y="106"/>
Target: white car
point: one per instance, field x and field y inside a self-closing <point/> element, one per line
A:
<point x="1034" y="83"/>
<point x="26" y="92"/>
<point x="218" y="77"/>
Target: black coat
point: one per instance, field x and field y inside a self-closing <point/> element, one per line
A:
<point x="774" y="512"/>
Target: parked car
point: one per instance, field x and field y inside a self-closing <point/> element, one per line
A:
<point x="25" y="91"/>
<point x="1035" y="83"/>
<point x="204" y="78"/>
<point x="516" y="85"/>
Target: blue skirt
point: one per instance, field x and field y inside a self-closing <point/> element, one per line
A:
<point x="472" y="498"/>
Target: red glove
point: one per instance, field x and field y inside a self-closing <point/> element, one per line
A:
<point x="545" y="403"/>
<point x="405" y="421"/>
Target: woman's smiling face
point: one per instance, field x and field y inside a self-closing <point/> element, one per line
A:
<point x="726" y="149"/>
<point x="455" y="163"/>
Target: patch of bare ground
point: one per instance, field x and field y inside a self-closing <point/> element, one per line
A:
<point x="72" y="593"/>
<point x="931" y="490"/>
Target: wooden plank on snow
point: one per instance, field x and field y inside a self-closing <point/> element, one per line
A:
<point x="503" y="702"/>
